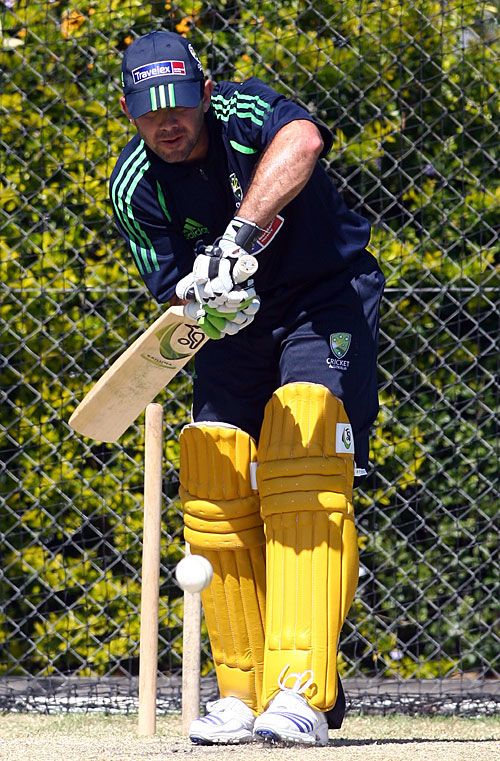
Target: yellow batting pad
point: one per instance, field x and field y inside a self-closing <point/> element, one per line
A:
<point x="305" y="485"/>
<point x="222" y="522"/>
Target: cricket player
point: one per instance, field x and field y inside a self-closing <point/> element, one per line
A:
<point x="285" y="393"/>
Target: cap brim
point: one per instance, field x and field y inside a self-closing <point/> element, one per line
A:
<point x="179" y="94"/>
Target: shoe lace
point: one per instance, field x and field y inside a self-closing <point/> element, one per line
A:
<point x="301" y="681"/>
<point x="222" y="704"/>
<point x="217" y="706"/>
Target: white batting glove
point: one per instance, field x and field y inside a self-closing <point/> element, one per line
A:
<point x="210" y="293"/>
<point x="237" y="239"/>
<point x="185" y="287"/>
<point x="214" y="267"/>
<point x="217" y="324"/>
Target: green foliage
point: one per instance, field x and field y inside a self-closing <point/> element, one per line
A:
<point x="408" y="90"/>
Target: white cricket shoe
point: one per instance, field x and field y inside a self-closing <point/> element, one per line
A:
<point x="228" y="721"/>
<point x="289" y="718"/>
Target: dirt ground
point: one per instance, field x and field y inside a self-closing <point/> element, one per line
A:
<point x="29" y="737"/>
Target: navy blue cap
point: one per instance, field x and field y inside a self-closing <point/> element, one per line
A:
<point x="161" y="70"/>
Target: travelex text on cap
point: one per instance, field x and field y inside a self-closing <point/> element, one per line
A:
<point x="161" y="70"/>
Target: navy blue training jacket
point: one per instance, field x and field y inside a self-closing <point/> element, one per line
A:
<point x="162" y="209"/>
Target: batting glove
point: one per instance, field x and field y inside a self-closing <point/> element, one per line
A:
<point x="214" y="266"/>
<point x="189" y="289"/>
<point x="217" y="324"/>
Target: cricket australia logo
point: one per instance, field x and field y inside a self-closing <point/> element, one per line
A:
<point x="339" y="345"/>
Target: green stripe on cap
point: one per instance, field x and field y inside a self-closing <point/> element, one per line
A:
<point x="171" y="95"/>
<point x="152" y="95"/>
<point x="163" y="96"/>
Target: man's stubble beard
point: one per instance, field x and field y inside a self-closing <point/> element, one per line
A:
<point x="175" y="155"/>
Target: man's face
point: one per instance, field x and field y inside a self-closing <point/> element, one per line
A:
<point x="175" y="134"/>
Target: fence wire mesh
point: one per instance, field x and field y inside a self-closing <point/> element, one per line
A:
<point x="409" y="90"/>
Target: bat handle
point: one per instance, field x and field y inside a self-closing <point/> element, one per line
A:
<point x="245" y="267"/>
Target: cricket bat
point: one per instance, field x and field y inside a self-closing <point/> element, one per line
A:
<point x="137" y="376"/>
<point x="143" y="370"/>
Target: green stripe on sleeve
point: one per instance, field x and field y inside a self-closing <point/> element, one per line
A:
<point x="242" y="148"/>
<point x="128" y="169"/>
<point x="141" y="257"/>
<point x="243" y="106"/>
<point x="162" y="202"/>
<point x="118" y="192"/>
<point x="130" y="175"/>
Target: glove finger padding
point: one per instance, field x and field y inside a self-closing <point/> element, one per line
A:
<point x="215" y="271"/>
<point x="213" y="324"/>
<point x="218" y="278"/>
<point x="209" y="293"/>
<point x="185" y="288"/>
<point x="193" y="310"/>
<point x="217" y="324"/>
<point x="242" y="318"/>
<point x="237" y="299"/>
<point x="251" y="306"/>
<point x="234" y="326"/>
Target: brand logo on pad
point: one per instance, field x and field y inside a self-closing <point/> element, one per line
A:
<point x="344" y="441"/>
<point x="339" y="344"/>
<point x="347" y="438"/>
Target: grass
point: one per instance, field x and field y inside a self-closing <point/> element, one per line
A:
<point x="82" y="737"/>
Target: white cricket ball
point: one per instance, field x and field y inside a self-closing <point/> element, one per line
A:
<point x="194" y="573"/>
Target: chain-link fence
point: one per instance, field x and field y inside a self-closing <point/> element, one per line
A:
<point x="408" y="89"/>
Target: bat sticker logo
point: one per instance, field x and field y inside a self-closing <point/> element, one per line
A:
<point x="177" y="338"/>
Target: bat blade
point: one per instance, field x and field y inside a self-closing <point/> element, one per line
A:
<point x="137" y="376"/>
